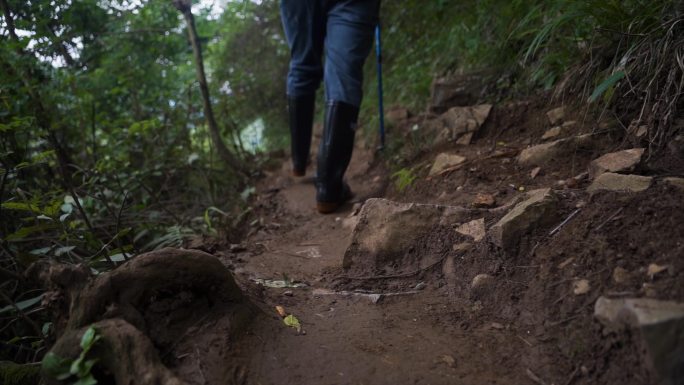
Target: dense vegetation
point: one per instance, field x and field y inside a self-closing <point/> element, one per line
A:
<point x="105" y="147"/>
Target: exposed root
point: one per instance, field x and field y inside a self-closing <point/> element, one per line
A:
<point x="130" y="305"/>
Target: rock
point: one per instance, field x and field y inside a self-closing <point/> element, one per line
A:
<point x="474" y="229"/>
<point x="484" y="200"/>
<point x="496" y="325"/>
<point x="620" y="161"/>
<point x="481" y="286"/>
<point x="676" y="182"/>
<point x="464" y="246"/>
<point x="458" y="121"/>
<point x="449" y="360"/>
<point x="387" y="231"/>
<point x="581" y="287"/>
<point x="569" y="124"/>
<point x="535" y="171"/>
<point x="557" y="150"/>
<point x="481" y="280"/>
<point x="655" y="269"/>
<point x="466" y="138"/>
<point x="552" y="133"/>
<point x="397" y="114"/>
<point x="618" y="182"/>
<point x="556" y="116"/>
<point x="620" y="275"/>
<point x="445" y="161"/>
<point x="661" y="324"/>
<point x="538" y="209"/>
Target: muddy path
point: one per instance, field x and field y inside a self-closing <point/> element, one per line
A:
<point x="453" y="308"/>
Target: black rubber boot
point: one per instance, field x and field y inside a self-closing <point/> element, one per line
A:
<point x="334" y="155"/>
<point x="301" y="112"/>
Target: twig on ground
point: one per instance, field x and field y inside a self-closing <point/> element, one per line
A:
<point x="610" y="218"/>
<point x="525" y="341"/>
<point x="534" y="377"/>
<point x="559" y="227"/>
<point x="372" y="277"/>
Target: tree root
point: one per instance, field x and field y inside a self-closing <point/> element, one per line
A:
<point x="136" y="308"/>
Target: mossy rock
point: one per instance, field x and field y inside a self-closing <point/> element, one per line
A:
<point x="15" y="374"/>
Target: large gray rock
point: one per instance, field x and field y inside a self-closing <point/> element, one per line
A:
<point x="662" y="328"/>
<point x="557" y="150"/>
<point x="618" y="182"/>
<point x="538" y="209"/>
<point x="387" y="231"/>
<point x="620" y="161"/>
<point x="457" y="122"/>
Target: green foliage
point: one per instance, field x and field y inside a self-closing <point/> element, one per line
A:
<point x="403" y="178"/>
<point x="78" y="371"/>
<point x="14" y="374"/>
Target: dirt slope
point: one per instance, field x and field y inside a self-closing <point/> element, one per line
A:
<point x="528" y="325"/>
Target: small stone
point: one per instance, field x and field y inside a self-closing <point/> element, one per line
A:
<point x="449" y="360"/>
<point x="481" y="280"/>
<point x="464" y="246"/>
<point x="556" y="116"/>
<point x="676" y="182"/>
<point x="496" y="325"/>
<point x="376" y="179"/>
<point x="569" y="123"/>
<point x="484" y="200"/>
<point x="581" y="287"/>
<point x="552" y="133"/>
<point x="580" y="204"/>
<point x="420" y="286"/>
<point x="445" y="161"/>
<point x="474" y="229"/>
<point x="557" y="150"/>
<point x="616" y="162"/>
<point x="655" y="269"/>
<point x="618" y="182"/>
<point x="288" y="293"/>
<point x="538" y="209"/>
<point x="641" y="131"/>
<point x="620" y="275"/>
<point x="236" y="248"/>
<point x="584" y="370"/>
<point x="535" y="171"/>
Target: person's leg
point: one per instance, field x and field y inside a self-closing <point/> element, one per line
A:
<point x="349" y="39"/>
<point x="304" y="23"/>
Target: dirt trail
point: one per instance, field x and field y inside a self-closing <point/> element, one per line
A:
<point x="530" y="324"/>
<point x="412" y="338"/>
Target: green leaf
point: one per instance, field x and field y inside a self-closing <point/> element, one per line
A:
<point x="22" y="305"/>
<point x="22" y="206"/>
<point x="55" y="366"/>
<point x="26" y="231"/>
<point x="605" y="85"/>
<point x="89" y="380"/>
<point x="293" y="322"/>
<point x="88" y="338"/>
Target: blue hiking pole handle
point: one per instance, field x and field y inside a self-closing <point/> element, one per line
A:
<point x="378" y="54"/>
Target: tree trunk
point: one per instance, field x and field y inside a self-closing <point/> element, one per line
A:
<point x="184" y="6"/>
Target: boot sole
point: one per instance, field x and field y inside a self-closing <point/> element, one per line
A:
<point x="327" y="207"/>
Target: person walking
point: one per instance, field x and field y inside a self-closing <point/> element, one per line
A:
<point x="342" y="31"/>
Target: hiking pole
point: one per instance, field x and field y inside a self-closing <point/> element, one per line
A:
<point x="378" y="54"/>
